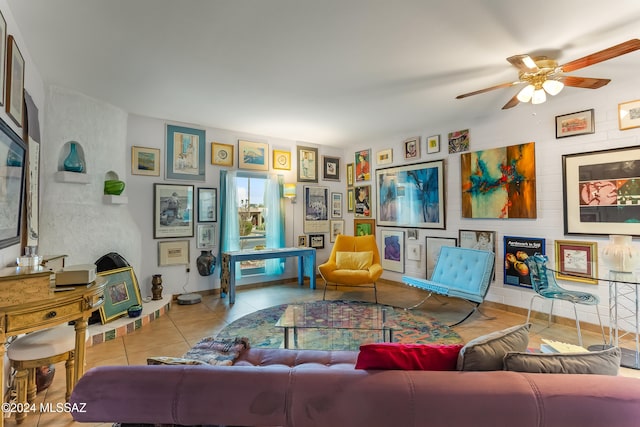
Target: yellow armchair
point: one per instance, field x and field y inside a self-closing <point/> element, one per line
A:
<point x="354" y="261"/>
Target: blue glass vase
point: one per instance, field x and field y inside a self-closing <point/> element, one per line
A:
<point x="73" y="162"/>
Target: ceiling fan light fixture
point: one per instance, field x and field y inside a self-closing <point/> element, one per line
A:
<point x="538" y="96"/>
<point x="526" y="93"/>
<point x="553" y="87"/>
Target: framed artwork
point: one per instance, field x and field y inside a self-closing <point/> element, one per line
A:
<point x="414" y="251"/>
<point x="412" y="148"/>
<point x="145" y="161"/>
<point x="478" y="239"/>
<point x="185" y="153"/>
<point x="330" y="168"/>
<point x="253" y="155"/>
<point x="411" y="195"/>
<point x="577" y="261"/>
<point x="282" y="160"/>
<point x="316" y="209"/>
<point x="307" y="164"/>
<point x="433" y="245"/>
<point x="15" y="82"/>
<point x="173" y="252"/>
<point x="222" y="154"/>
<point x="363" y="165"/>
<point x="12" y="179"/>
<point x="336" y="227"/>
<point x="433" y="144"/>
<point x="392" y="256"/>
<point x="3" y="55"/>
<point x="362" y="202"/>
<point x="364" y="227"/>
<point x="458" y="141"/>
<point x="573" y="124"/>
<point x="120" y="292"/>
<point x="516" y="250"/>
<point x="302" y="241"/>
<point x="629" y="115"/>
<point x="172" y="211"/>
<point x="350" y="174"/>
<point x="316" y="241"/>
<point x="491" y="191"/>
<point x="350" y="199"/>
<point x="602" y="192"/>
<point x="206" y="236"/>
<point x="207" y="204"/>
<point x="385" y="157"/>
<point x="336" y="205"/>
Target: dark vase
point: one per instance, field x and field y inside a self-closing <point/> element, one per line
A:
<point x="73" y="162"/>
<point x="206" y="263"/>
<point x="156" y="287"/>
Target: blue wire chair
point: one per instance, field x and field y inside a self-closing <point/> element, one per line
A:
<point x="546" y="287"/>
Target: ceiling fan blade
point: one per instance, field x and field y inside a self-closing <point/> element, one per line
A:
<point x="583" y="82"/>
<point x="521" y="61"/>
<point x="603" y="55"/>
<point x="512" y="102"/>
<point x="488" y="89"/>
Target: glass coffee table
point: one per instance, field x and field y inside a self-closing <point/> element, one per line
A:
<point x="361" y="323"/>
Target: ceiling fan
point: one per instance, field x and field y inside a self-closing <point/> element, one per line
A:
<point x="543" y="75"/>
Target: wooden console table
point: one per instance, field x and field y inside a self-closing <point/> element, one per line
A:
<point x="229" y="259"/>
<point x="51" y="308"/>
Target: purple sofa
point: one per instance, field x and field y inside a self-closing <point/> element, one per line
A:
<point x="277" y="387"/>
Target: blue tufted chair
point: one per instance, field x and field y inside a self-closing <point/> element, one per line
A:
<point x="460" y="272"/>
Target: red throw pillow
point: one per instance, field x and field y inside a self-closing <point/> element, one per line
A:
<point x="408" y="357"/>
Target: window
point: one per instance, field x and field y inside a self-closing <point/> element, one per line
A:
<point x="251" y="217"/>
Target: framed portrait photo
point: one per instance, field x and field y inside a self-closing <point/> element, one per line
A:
<point x="185" y="148"/>
<point x="172" y="211"/>
<point x="363" y="165"/>
<point x="207" y="204"/>
<point x="253" y="155"/>
<point x="458" y="141"/>
<point x="282" y="160"/>
<point x="330" y="168"/>
<point x="574" y="124"/>
<point x="120" y="292"/>
<point x="412" y="148"/>
<point x="362" y="202"/>
<point x="145" y="161"/>
<point x="307" y="164"/>
<point x="629" y="115"/>
<point x="222" y="154"/>
<point x="577" y="261"/>
<point x="173" y="252"/>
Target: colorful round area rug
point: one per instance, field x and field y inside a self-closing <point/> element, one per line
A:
<point x="408" y="326"/>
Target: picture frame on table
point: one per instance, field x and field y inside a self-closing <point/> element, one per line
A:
<point x="412" y="148"/>
<point x="629" y="115"/>
<point x="207" y="204"/>
<point x="578" y="123"/>
<point x="185" y="153"/>
<point x="145" y="161"/>
<point x="316" y="209"/>
<point x="253" y="155"/>
<point x="577" y="261"/>
<point x="316" y="241"/>
<point x="384" y="157"/>
<point x="15" y="82"/>
<point x="3" y="55"/>
<point x="172" y="211"/>
<point x="336" y="205"/>
<point x="173" y="252"/>
<point x="363" y="165"/>
<point x="364" y="227"/>
<point x="336" y="227"/>
<point x="330" y="168"/>
<point x="516" y="250"/>
<point x="13" y="181"/>
<point x="392" y="253"/>
<point x="206" y="236"/>
<point x="433" y="144"/>
<point x="282" y="160"/>
<point x="222" y="154"/>
<point x="600" y="192"/>
<point x="307" y="164"/>
<point x="350" y="174"/>
<point x="120" y="292"/>
<point x="432" y="249"/>
<point x="302" y="241"/>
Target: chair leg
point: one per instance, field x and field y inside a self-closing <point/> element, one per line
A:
<point x="604" y="340"/>
<point x="551" y="312"/>
<point x="375" y="292"/>
<point x="477" y="304"/>
<point x="325" y="290"/>
<point x="575" y="311"/>
<point x="420" y="303"/>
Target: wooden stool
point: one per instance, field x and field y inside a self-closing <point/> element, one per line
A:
<point x="37" y="349"/>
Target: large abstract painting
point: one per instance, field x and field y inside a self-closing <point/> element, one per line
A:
<point x="499" y="183"/>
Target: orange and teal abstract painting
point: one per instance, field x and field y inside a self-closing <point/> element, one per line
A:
<point x="499" y="182"/>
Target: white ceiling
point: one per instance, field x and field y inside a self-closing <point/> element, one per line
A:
<point x="332" y="72"/>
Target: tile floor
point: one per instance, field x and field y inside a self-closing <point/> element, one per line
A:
<point x="174" y="333"/>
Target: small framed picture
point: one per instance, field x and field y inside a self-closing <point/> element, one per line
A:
<point x="120" y="292"/>
<point x="458" y="141"/>
<point x="316" y="241"/>
<point x="173" y="211"/>
<point x="222" y="154"/>
<point x="207" y="204"/>
<point x="350" y="174"/>
<point x="412" y="148"/>
<point x="330" y="168"/>
<point x="392" y="250"/>
<point x="282" y="160"/>
<point x="364" y="227"/>
<point x="433" y="144"/>
<point x="206" y="236"/>
<point x="433" y="245"/>
<point x="350" y="199"/>
<point x="145" y="161"/>
<point x="15" y="81"/>
<point x="307" y="164"/>
<point x="362" y="202"/>
<point x="577" y="261"/>
<point x="336" y="227"/>
<point x="363" y="165"/>
<point x="574" y="124"/>
<point x="302" y="241"/>
<point x="185" y="153"/>
<point x="629" y="115"/>
<point x="253" y="155"/>
<point x="173" y="252"/>
<point x="336" y="205"/>
<point x="385" y="157"/>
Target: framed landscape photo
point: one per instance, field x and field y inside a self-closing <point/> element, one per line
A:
<point x="120" y="292"/>
<point x="412" y="148"/>
<point x="336" y="205"/>
<point x="316" y="241"/>
<point x="206" y="236"/>
<point x="15" y="82"/>
<point x="173" y="252"/>
<point x="307" y="164"/>
<point x="364" y="227"/>
<point x="602" y="192"/>
<point x="385" y="157"/>
<point x="316" y="209"/>
<point x="145" y="161"/>
<point x="172" y="211"/>
<point x="573" y="124"/>
<point x="433" y="245"/>
<point x="629" y="115"/>
<point x="185" y="149"/>
<point x="282" y="160"/>
<point x="336" y="227"/>
<point x="222" y="154"/>
<point x="207" y="204"/>
<point x="330" y="168"/>
<point x="433" y="144"/>
<point x="392" y="253"/>
<point x="253" y="155"/>
<point x="577" y="261"/>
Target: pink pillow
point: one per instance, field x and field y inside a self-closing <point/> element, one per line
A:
<point x="408" y="357"/>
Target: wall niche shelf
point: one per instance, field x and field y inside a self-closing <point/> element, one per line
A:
<point x="111" y="199"/>
<point x="72" y="177"/>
